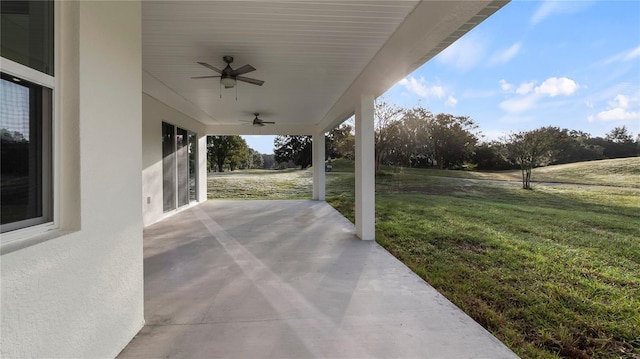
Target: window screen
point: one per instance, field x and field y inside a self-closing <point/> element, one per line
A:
<point x="25" y="147"/>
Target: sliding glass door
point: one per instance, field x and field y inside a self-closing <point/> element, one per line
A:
<point x="168" y="167"/>
<point x="179" y="161"/>
<point x="193" y="161"/>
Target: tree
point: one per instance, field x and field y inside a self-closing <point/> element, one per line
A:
<point x="386" y="117"/>
<point x="453" y="139"/>
<point x="619" y="143"/>
<point x="408" y="138"/>
<point x="238" y="154"/>
<point x="340" y="142"/>
<point x="619" y="135"/>
<point x="531" y="149"/>
<point x="231" y="150"/>
<point x="269" y="162"/>
<point x="575" y="146"/>
<point x="257" y="161"/>
<point x="253" y="160"/>
<point x="417" y="137"/>
<point x="490" y="156"/>
<point x="298" y="149"/>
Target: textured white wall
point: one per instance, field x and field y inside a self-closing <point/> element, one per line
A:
<point x="154" y="113"/>
<point x="80" y="295"/>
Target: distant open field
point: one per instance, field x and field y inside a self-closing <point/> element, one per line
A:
<point x="552" y="272"/>
<point x="261" y="184"/>
<point x="622" y="172"/>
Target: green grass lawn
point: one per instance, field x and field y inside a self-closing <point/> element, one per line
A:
<point x="552" y="272"/>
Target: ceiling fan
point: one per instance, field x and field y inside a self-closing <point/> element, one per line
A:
<point x="229" y="76"/>
<point x="259" y="122"/>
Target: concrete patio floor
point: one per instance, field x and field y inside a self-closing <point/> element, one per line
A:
<point x="289" y="279"/>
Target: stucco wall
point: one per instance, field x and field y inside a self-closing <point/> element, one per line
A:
<point x="80" y="295"/>
<point x="154" y="113"/>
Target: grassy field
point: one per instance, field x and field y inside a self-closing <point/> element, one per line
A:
<point x="552" y="272"/>
<point x="261" y="184"/>
<point x="622" y="172"/>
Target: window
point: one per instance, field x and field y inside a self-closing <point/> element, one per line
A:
<point x="26" y="114"/>
<point x="179" y="159"/>
<point x="168" y="167"/>
<point x="25" y="135"/>
<point x="26" y="35"/>
<point x="193" y="160"/>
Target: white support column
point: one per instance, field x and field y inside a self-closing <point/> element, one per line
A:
<point x="318" y="167"/>
<point x="365" y="169"/>
<point x="202" y="169"/>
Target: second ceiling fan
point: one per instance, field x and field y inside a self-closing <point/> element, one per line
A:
<point x="259" y="122"/>
<point x="229" y="76"/>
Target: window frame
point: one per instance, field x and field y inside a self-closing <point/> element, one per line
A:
<point x="21" y="71"/>
<point x="41" y="141"/>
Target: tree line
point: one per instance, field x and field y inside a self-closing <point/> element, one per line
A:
<point x="231" y="152"/>
<point x="416" y="137"/>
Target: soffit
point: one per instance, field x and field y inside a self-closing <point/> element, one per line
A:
<point x="314" y="56"/>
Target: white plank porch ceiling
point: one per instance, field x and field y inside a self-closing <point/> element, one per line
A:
<point x="309" y="53"/>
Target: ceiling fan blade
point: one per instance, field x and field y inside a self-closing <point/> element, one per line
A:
<point x="269" y="122"/>
<point x="204" y="77"/>
<point x="210" y="67"/>
<point x="250" y="80"/>
<point x="243" y="70"/>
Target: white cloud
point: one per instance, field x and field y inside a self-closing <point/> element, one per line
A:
<point x="420" y="88"/>
<point x="451" y="101"/>
<point x="503" y="56"/>
<point x="519" y="104"/>
<point x="530" y="95"/>
<point x="465" y="53"/>
<point x="554" y="86"/>
<point x="505" y="86"/>
<point x="623" y="56"/>
<point x="618" y="110"/>
<point x="525" y="88"/>
<point x="632" y="54"/>
<point x="545" y="10"/>
<point x="616" y="114"/>
<point x="553" y="7"/>
<point x="620" y="101"/>
<point x="423" y="89"/>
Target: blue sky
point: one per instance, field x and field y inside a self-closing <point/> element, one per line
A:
<point x="571" y="64"/>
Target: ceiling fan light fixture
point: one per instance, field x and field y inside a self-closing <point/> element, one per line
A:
<point x="228" y="82"/>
